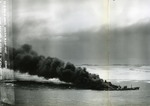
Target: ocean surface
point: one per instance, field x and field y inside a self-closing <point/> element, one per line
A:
<point x="42" y="95"/>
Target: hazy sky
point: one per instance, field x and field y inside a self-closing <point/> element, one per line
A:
<point x="85" y="31"/>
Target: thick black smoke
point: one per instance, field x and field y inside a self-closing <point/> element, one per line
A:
<point x="25" y="60"/>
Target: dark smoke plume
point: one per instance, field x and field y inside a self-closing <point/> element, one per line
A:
<point x="25" y="60"/>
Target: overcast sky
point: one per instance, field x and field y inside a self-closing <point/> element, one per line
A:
<point x="85" y="31"/>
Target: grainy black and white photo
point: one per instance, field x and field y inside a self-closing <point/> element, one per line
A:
<point x="74" y="52"/>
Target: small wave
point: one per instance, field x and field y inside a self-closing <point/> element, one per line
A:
<point x="126" y="80"/>
<point x="148" y="81"/>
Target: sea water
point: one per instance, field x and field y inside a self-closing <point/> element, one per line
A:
<point x="39" y="95"/>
